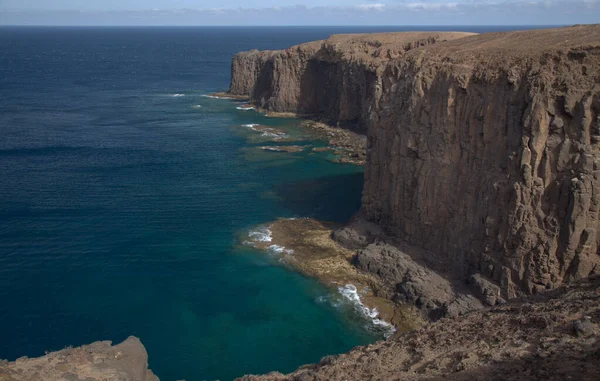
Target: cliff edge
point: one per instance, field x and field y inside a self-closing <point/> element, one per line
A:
<point x="482" y="149"/>
<point x="98" y="361"/>
<point x="334" y="80"/>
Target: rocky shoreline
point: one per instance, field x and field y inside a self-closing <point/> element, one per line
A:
<point x="554" y="336"/>
<point x="348" y="147"/>
<point x="306" y="246"/>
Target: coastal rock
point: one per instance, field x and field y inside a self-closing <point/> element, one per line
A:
<point x="414" y="283"/>
<point x="540" y="338"/>
<point x="306" y="246"/>
<point x="99" y="361"/>
<point x="481" y="148"/>
<point x="348" y="146"/>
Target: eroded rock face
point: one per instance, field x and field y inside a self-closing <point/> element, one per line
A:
<point x="335" y="79"/>
<point x="481" y="148"/>
<point x="99" y="361"/>
<point x="486" y="149"/>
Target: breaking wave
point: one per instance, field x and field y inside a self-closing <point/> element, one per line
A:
<point x="350" y="293"/>
<point x="259" y="235"/>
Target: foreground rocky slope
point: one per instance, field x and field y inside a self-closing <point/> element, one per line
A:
<point x="552" y="336"/>
<point x="99" y="361"/>
<point x="481" y="148"/>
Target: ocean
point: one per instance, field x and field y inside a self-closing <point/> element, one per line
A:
<point x="125" y="194"/>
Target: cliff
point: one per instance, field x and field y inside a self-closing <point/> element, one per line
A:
<point x="335" y="80"/>
<point x="99" y="361"/>
<point x="482" y="149"/>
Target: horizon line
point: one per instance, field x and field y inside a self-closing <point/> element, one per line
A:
<point x="288" y="26"/>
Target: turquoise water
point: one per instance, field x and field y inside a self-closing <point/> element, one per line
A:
<point x="122" y="204"/>
<point x="121" y="207"/>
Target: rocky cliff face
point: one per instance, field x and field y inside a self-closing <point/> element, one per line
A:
<point x="486" y="149"/>
<point x="481" y="148"/>
<point x="335" y="80"/>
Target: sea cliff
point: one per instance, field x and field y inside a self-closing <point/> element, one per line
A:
<point x="482" y="149"/>
<point x="482" y="169"/>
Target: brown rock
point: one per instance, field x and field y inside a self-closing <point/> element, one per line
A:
<point x="99" y="361"/>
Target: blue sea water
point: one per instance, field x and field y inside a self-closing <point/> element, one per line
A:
<point x="124" y="193"/>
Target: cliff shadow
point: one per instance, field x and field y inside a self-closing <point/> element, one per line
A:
<point x="328" y="94"/>
<point x="331" y="198"/>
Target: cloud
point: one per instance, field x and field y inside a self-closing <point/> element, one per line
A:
<point x="376" y="6"/>
<point x="422" y="12"/>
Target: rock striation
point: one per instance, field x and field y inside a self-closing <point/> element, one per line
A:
<point x="98" y="361"/>
<point x="481" y="148"/>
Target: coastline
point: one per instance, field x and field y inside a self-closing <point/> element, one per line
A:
<point x="396" y="283"/>
<point x="347" y="146"/>
<point x="306" y="245"/>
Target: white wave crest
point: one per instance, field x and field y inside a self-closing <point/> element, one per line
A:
<point x="260" y="235"/>
<point x="177" y="95"/>
<point x="245" y="108"/>
<point x="350" y="293"/>
<point x="196" y="106"/>
<point x="276" y="249"/>
<point x="215" y="97"/>
<point x="274" y="135"/>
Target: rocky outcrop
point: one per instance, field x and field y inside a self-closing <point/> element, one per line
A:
<point x="99" y="361"/>
<point x="550" y="337"/>
<point x="415" y="283"/>
<point x="482" y="148"/>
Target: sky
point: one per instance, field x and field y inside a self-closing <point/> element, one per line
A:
<point x="299" y="12"/>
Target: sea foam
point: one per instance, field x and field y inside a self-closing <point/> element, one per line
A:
<point x="266" y="134"/>
<point x="215" y="97"/>
<point x="350" y="293"/>
<point x="177" y="95"/>
<point x="274" y="135"/>
<point x="276" y="249"/>
<point x="245" y="108"/>
<point x="260" y="235"/>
